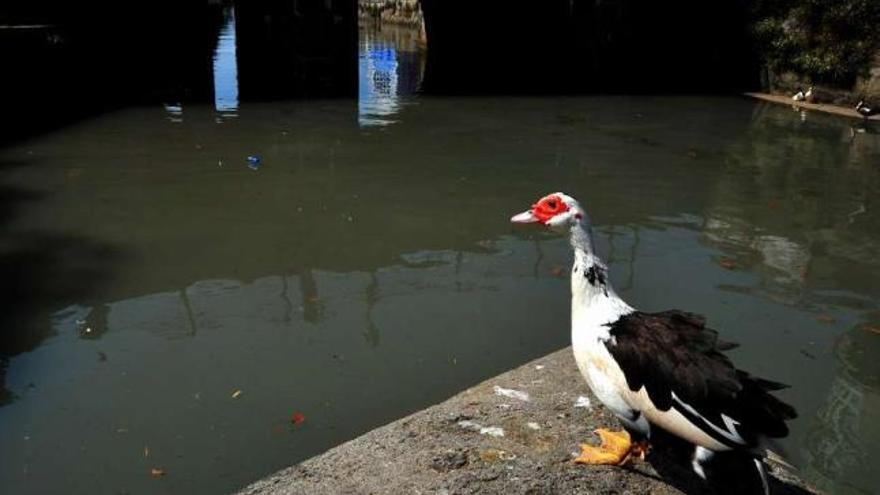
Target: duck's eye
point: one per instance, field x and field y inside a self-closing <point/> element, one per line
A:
<point x="552" y="205"/>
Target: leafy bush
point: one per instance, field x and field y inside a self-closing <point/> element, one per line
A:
<point x="830" y="41"/>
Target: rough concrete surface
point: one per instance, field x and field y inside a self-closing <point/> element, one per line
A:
<point x="513" y="434"/>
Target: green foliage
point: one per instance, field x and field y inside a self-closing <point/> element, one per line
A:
<point x="830" y="41"/>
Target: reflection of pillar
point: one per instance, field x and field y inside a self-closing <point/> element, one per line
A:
<point x="95" y="324"/>
<point x="288" y="306"/>
<point x="846" y="428"/>
<point x="372" y="335"/>
<point x="226" y="67"/>
<point x="187" y="307"/>
<point x="630" y="260"/>
<point x="539" y="256"/>
<point x="312" y="307"/>
<point x="5" y="394"/>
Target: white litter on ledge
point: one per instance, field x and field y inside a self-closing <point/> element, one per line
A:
<point x="533" y="425"/>
<point x="513" y="394"/>
<point x="492" y="431"/>
<point x="583" y="402"/>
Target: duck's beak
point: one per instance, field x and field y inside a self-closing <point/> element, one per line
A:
<point x="524" y="217"/>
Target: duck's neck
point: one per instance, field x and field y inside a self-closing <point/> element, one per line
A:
<point x="591" y="288"/>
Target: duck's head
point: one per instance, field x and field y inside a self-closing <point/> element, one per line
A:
<point x="860" y="104"/>
<point x="557" y="211"/>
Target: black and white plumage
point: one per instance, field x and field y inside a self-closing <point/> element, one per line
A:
<point x="666" y="369"/>
<point x="681" y="365"/>
<point x="865" y="110"/>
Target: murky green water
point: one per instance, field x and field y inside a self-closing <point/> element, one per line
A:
<point x="169" y="306"/>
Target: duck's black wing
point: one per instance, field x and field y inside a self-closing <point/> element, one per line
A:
<point x="681" y="365"/>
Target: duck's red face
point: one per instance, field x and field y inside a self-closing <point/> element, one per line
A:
<point x="543" y="211"/>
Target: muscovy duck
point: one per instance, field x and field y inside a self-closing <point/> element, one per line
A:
<point x="664" y="370"/>
<point x="866" y="111"/>
<point x="799" y="96"/>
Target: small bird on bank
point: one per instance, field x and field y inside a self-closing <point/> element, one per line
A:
<point x="866" y="111"/>
<point x="664" y="370"/>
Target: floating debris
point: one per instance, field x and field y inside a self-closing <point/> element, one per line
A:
<point x="825" y="319"/>
<point x="487" y="244"/>
<point x="513" y="394"/>
<point x="236" y="394"/>
<point x="583" y="402"/>
<point x="727" y="263"/>
<point x="871" y="328"/>
<point x="253" y="162"/>
<point x="157" y="472"/>
<point x="297" y="418"/>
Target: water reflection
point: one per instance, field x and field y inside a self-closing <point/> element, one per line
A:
<point x="226" y="68"/>
<point x="796" y="213"/>
<point x="332" y="368"/>
<point x="845" y="428"/>
<point x="174" y="112"/>
<point x="390" y="70"/>
<point x="356" y="284"/>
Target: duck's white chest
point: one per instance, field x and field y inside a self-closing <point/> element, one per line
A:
<point x="599" y="369"/>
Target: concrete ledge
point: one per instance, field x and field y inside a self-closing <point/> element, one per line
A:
<point x="514" y="433"/>
<point x="816" y="107"/>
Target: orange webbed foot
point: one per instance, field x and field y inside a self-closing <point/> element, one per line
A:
<point x="616" y="449"/>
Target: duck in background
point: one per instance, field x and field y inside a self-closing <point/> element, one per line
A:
<point x="866" y="110"/>
<point x="804" y="96"/>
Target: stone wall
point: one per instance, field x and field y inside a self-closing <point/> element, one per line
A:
<point x="866" y="87"/>
<point x="870" y="86"/>
<point x="401" y="12"/>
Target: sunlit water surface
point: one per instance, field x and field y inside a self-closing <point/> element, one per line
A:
<point x="172" y="305"/>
